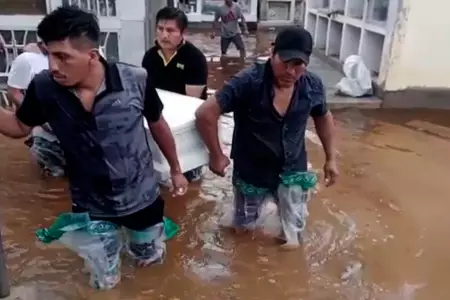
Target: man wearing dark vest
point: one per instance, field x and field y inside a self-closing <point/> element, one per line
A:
<point x="97" y="111"/>
<point x="175" y="64"/>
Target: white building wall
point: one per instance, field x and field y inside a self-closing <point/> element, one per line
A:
<point x="409" y="50"/>
<point x="341" y="28"/>
<point x="419" y="54"/>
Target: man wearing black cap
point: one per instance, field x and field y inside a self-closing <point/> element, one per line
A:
<point x="271" y="103"/>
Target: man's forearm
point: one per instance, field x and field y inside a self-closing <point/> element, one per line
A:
<point x="164" y="139"/>
<point x="209" y="131"/>
<point x="325" y="131"/>
<point x="10" y="126"/>
<point x="15" y="97"/>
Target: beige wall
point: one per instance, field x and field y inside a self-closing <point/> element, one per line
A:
<point x="419" y="54"/>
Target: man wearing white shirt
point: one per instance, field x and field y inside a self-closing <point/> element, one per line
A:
<point x="43" y="143"/>
<point x="23" y="69"/>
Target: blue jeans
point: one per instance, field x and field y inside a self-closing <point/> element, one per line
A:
<point x="194" y="175"/>
<point x="144" y="231"/>
<point x="292" y="204"/>
<point x="236" y="40"/>
<point x="48" y="154"/>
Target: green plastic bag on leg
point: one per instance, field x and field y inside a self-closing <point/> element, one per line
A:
<point x="99" y="243"/>
<point x="170" y="228"/>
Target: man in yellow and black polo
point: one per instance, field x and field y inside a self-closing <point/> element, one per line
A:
<point x="175" y="64"/>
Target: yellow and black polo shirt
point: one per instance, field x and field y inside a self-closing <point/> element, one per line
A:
<point x="187" y="66"/>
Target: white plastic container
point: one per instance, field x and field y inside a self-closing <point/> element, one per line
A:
<point x="179" y="112"/>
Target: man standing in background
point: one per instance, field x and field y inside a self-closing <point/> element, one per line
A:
<point x="175" y="64"/>
<point x="229" y="14"/>
<point x="44" y="145"/>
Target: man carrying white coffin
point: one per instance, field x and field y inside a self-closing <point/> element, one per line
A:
<point x="175" y="64"/>
<point x="97" y="109"/>
<point x="272" y="103"/>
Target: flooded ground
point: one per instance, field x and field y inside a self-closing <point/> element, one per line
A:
<point x="381" y="233"/>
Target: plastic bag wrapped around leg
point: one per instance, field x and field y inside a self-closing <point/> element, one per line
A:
<point x="99" y="243"/>
<point x="248" y="201"/>
<point x="269" y="218"/>
<point x="147" y="246"/>
<point x="100" y="246"/>
<point x="293" y="195"/>
<point x="48" y="155"/>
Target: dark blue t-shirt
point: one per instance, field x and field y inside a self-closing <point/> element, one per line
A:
<point x="265" y="144"/>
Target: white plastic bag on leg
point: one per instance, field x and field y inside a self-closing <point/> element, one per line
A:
<point x="147" y="246"/>
<point x="358" y="79"/>
<point x="293" y="204"/>
<point x="100" y="248"/>
<point x="269" y="218"/>
<point x="293" y="196"/>
<point x="226" y="210"/>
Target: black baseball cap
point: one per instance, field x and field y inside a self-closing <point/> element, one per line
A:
<point x="293" y="43"/>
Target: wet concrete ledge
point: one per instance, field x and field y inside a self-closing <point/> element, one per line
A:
<point x="437" y="98"/>
<point x="340" y="102"/>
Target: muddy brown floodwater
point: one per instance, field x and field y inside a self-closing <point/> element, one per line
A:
<point x="381" y="233"/>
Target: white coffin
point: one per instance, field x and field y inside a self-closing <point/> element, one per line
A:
<point x="179" y="112"/>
